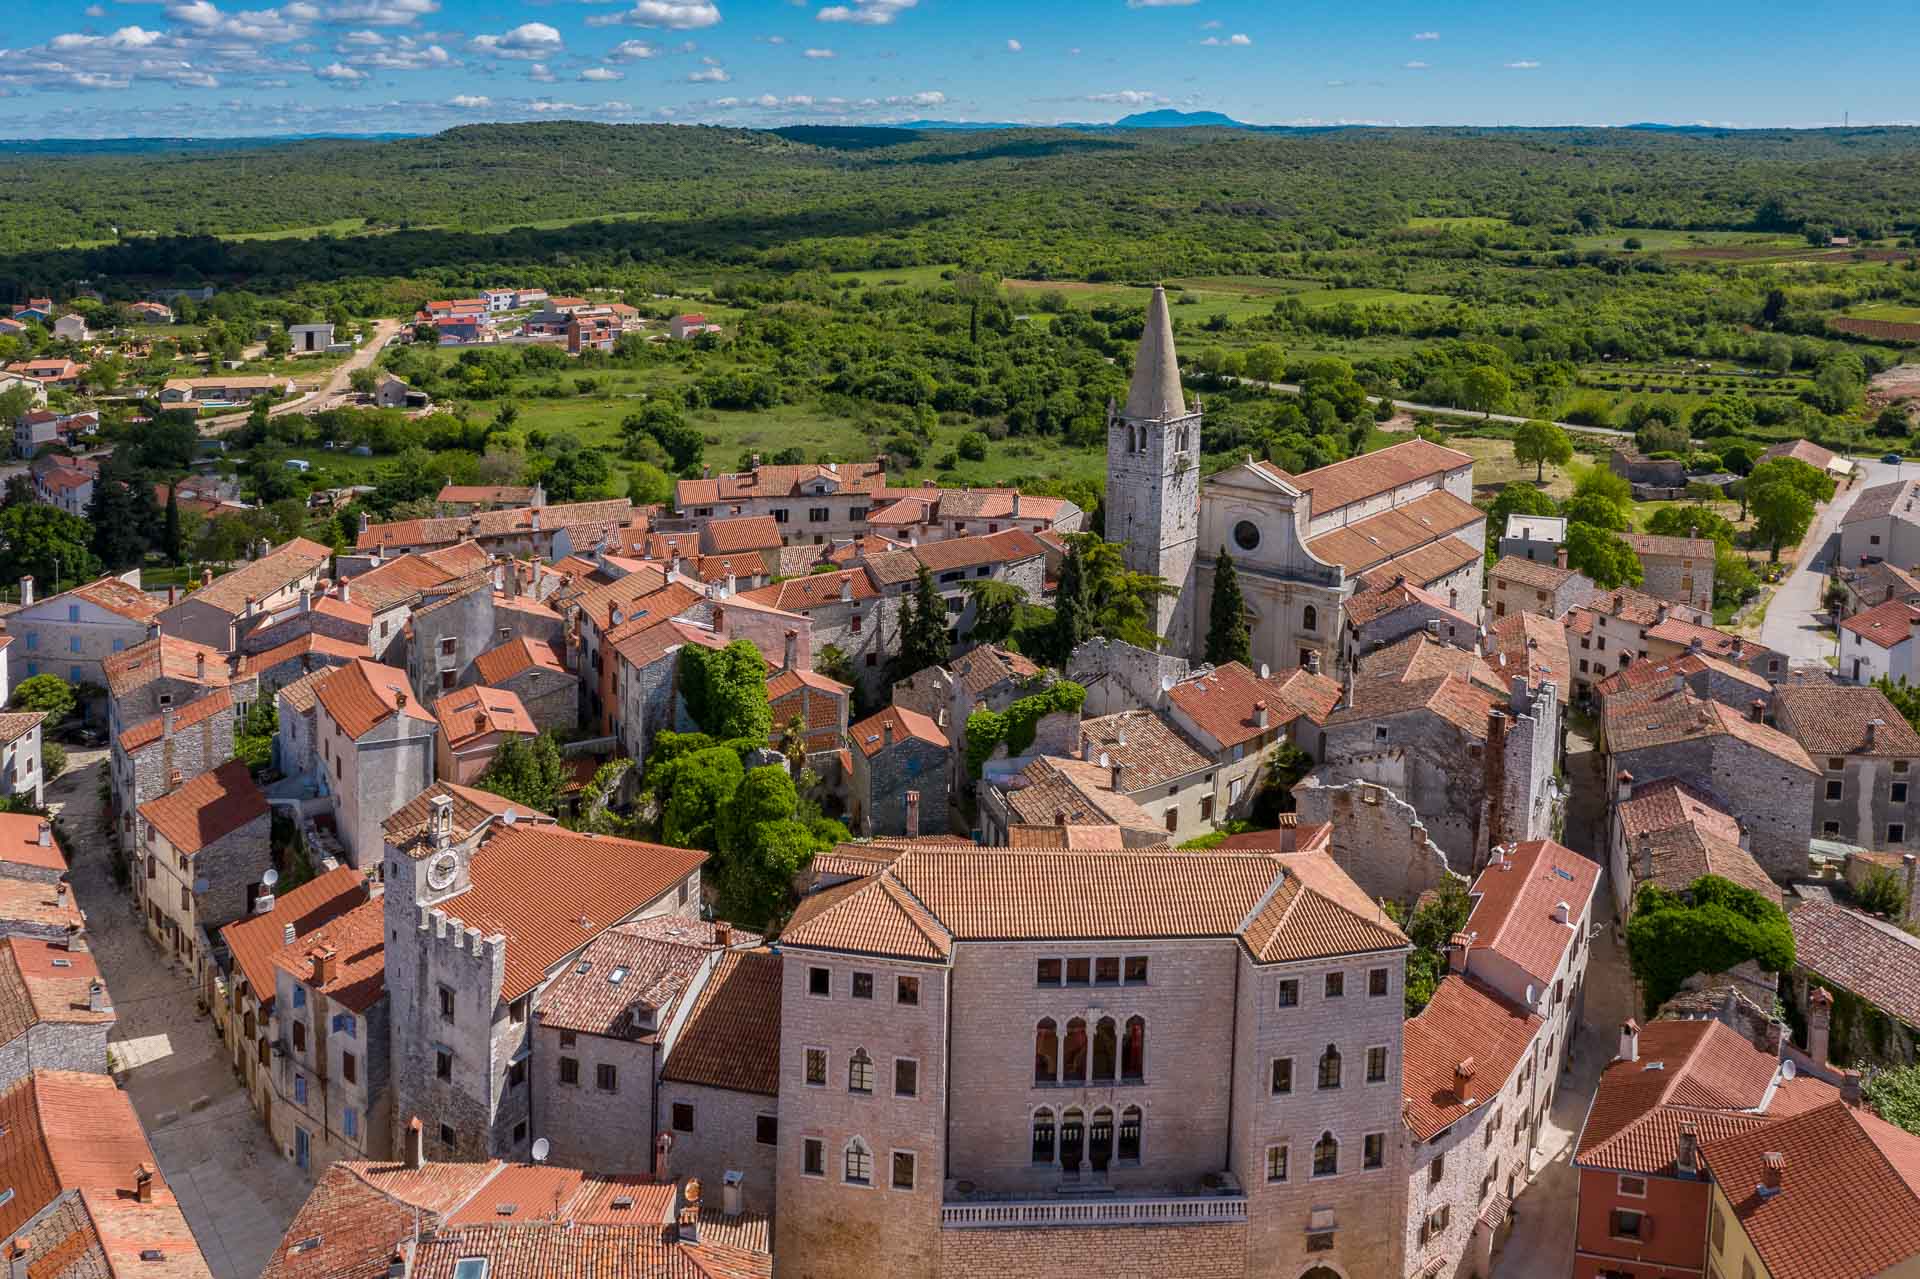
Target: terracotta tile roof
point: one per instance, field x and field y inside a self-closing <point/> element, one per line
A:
<point x="1151" y="751"/>
<point x="646" y="596"/>
<point x="548" y="1250"/>
<point x="470" y="713"/>
<point x="1419" y="656"/>
<point x="29" y="901"/>
<point x="397" y="581"/>
<point x="1670" y="802"/>
<point x="907" y="510"/>
<point x="1682" y="854"/>
<point x="1052" y="786"/>
<point x="110" y="593"/>
<point x="1366" y="542"/>
<point x="1879" y="501"/>
<point x="780" y="481"/>
<point x="535" y="1193"/>
<point x="472" y="808"/>
<point x="504" y="494"/>
<point x="207" y="807"/>
<point x="168" y="657"/>
<point x="743" y="533"/>
<point x="1807" y="1230"/>
<point x="1077" y="835"/>
<point x="1464" y="1023"/>
<point x="65" y="1130"/>
<point x="535" y="884"/>
<point x="989" y="504"/>
<point x="279" y="569"/>
<point x="1802" y="450"/>
<point x="731" y="1039"/>
<point x="1377" y="602"/>
<point x="1716" y="643"/>
<point x="1871" y="958"/>
<point x="1514" y="903"/>
<point x="364" y="694"/>
<point x="148" y="731"/>
<point x="1222" y="702"/>
<point x="1656" y="673"/>
<point x="869" y="735"/>
<point x="1834" y="719"/>
<point x="304" y="693"/>
<point x="498" y="665"/>
<point x="1301" y="905"/>
<point x="255" y="940"/>
<point x="658" y="639"/>
<point x="1655" y="717"/>
<point x="1531" y="644"/>
<point x="1373" y="473"/>
<point x="786" y="683"/>
<point x="357" y="940"/>
<point x="350" y="1225"/>
<point x="1451" y="698"/>
<point x="1673" y="547"/>
<point x="798" y="594"/>
<point x="45" y="982"/>
<point x="1884" y="625"/>
<point x="673" y="546"/>
<point x="978" y="670"/>
<point x="1629" y="605"/>
<point x="1881" y="581"/>
<point x="20" y="842"/>
<point x="130" y="1233"/>
<point x="324" y="649"/>
<point x="1525" y="572"/>
<point x="1005" y="547"/>
<point x="640" y="967"/>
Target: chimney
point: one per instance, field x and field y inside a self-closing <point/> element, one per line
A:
<point x="1463" y="1078"/>
<point x="45" y="835"/>
<point x="1850" y="1087"/>
<point x="846" y="586"/>
<point x="1773" y="1174"/>
<point x="1679" y="682"/>
<point x="344" y="597"/>
<point x="26" y="590"/>
<point x="1259" y="714"/>
<point x="153" y="629"/>
<point x="1629" y="1041"/>
<point x="733" y="585"/>
<point x="1560" y="557"/>
<point x="1622" y="786"/>
<point x="416" y="1144"/>
<point x="790" y="656"/>
<point x="1757" y="712"/>
<point x="399" y="699"/>
<point x="1819" y="1023"/>
<point x="536" y="519"/>
<point x="1687" y="1158"/>
<point x="200" y="666"/>
<point x="323" y="969"/>
<point x="1059" y="817"/>
<point x="722" y="933"/>
<point x="1660" y="615"/>
<point x="97" y="1001"/>
<point x="539" y="496"/>
<point x="1016" y="504"/>
<point x="1313" y="663"/>
<point x="76" y="940"/>
<point x="1119" y="772"/>
<point x="1453" y="597"/>
<point x="1459" y="947"/>
<point x="886" y="734"/>
<point x="206" y="574"/>
<point x="913" y="814"/>
<point x="173" y="595"/>
<point x="1560" y="913"/>
<point x="143" y="1183"/>
<point x="730" y="1193"/>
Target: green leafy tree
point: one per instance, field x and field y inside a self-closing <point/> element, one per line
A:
<point x="1904" y="696"/>
<point x="1734" y="581"/>
<point x="1485" y="389"/>
<point x="1600" y="484"/>
<point x="1430" y="928"/>
<point x="1712" y="926"/>
<point x="726" y="691"/>
<point x="1227" y="636"/>
<point x="648" y="485"/>
<point x="1782" y="514"/>
<point x="832" y="661"/>
<point x="923" y="627"/>
<point x="699" y="786"/>
<point x="996" y="608"/>
<point x="1515" y="499"/>
<point x="1540" y="443"/>
<point x="1816" y="484"/>
<point x="527" y="771"/>
<point x="363" y="381"/>
<point x="53" y="759"/>
<point x="170" y="536"/>
<point x="1691" y="521"/>
<point x="48" y="543"/>
<point x="1121" y="600"/>
<point x="1882" y="893"/>
<point x="1602" y="556"/>
<point x="1739" y="458"/>
<point x="1894" y="1094"/>
<point x="47" y="693"/>
<point x="1595" y="511"/>
<point x="1660" y="436"/>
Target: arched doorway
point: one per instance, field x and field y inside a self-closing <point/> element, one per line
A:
<point x="1321" y="1272"/>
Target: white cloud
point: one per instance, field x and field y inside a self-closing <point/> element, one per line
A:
<point x="1013" y="46"/>
<point x="528" y="40"/>
<point x="364" y="39"/>
<point x="1525" y="64"/>
<point x="1416" y="65"/>
<point x="770" y="39"/>
<point x="1127" y="97"/>
<point x="1235" y="40"/>
<point x="1074" y="52"/>
<point x="339" y="73"/>
<point x="632" y="51"/>
<point x="602" y="74"/>
<point x="470" y="101"/>
<point x="870" y="13"/>
<point x="95" y="11"/>
<point x="821" y="53"/>
<point x="674" y="15"/>
<point x="124" y="38"/>
<point x="406" y="54"/>
<point x="1426" y="35"/>
<point x="1213" y="25"/>
<point x="381" y="13"/>
<point x="711" y="75"/>
<point x="539" y="73"/>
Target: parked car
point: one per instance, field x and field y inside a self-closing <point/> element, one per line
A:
<point x="81" y="733"/>
<point x="1893" y="459"/>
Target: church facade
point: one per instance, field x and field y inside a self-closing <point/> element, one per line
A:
<point x="1301" y="544"/>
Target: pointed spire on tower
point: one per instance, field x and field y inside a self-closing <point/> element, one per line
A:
<point x="1154" y="394"/>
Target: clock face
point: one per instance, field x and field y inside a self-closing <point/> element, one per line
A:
<point x="441" y="870"/>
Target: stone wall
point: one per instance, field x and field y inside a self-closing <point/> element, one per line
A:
<point x="1773" y="799"/>
<point x="929" y="692"/>
<point x="55" y="1046"/>
<point x="724" y="1138"/>
<point x="463" y="624"/>
<point x="1378" y="839"/>
<point x="1686" y="581"/>
<point x="433" y="951"/>
<point x="142" y="774"/>
<point x="295" y="625"/>
<point x="552" y="698"/>
<point x="1216" y="1251"/>
<point x="590" y="1128"/>
<point x="230" y="866"/>
<point x="880" y="786"/>
<point x="1119" y="676"/>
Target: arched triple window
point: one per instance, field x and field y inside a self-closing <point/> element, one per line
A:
<point x="860" y="1072"/>
<point x="1133" y="1050"/>
<point x="1310" y="618"/>
<point x="1074" y="1065"/>
<point x="1106" y="1049"/>
<point x="1330" y="1067"/>
<point x="1130" y="1135"/>
<point x="1046" y="1053"/>
<point x="1043" y="1136"/>
<point x="858" y="1168"/>
<point x="1326" y="1156"/>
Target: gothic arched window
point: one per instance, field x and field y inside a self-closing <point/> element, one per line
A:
<point x="1133" y="1049"/>
<point x="1106" y="1047"/>
<point x="1075" y="1055"/>
<point x="1046" y="1052"/>
<point x="1330" y="1067"/>
<point x="1310" y="618"/>
<point x="1043" y="1136"/>
<point x="1326" y="1156"/>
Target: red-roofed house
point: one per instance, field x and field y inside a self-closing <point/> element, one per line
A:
<point x="1240" y="719"/>
<point x="474" y="721"/>
<point x="532" y="671"/>
<point x="73" y="633"/>
<point x="333" y="1087"/>
<point x="899" y="780"/>
<point x="375" y="750"/>
<point x="1878" y="644"/>
<point x="200" y="867"/>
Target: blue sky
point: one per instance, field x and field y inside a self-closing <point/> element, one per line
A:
<point x="208" y="67"/>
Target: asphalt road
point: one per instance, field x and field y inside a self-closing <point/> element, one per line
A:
<point x="1791" y="626"/>
<point x="326" y="396"/>
<point x="1410" y="406"/>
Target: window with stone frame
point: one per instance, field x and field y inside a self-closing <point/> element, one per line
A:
<point x="1276" y="1163"/>
<point x="1437" y="1170"/>
<point x="862" y="986"/>
<point x="1376" y="1064"/>
<point x="766" y="1130"/>
<point x="1373" y="1150"/>
<point x="1626" y="1223"/>
<point x="1289" y="996"/>
<point x="813" y="1157"/>
<point x="860" y="1072"/>
<point x="1326" y="1156"/>
<point x="1377" y="985"/>
<point x="906" y="991"/>
<point x="443" y="1064"/>
<point x="1282" y="1076"/>
<point x="906" y="1077"/>
<point x="857" y="1164"/>
<point x="682" y="1116"/>
<point x="903" y="1169"/>
<point x="1330" y="1068"/>
<point x="570" y="1071"/>
<point x="1336" y="986"/>
<point x="606" y="1077"/>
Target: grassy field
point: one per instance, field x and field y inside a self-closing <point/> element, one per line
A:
<point x="1464" y="223"/>
<point x="1892" y="311"/>
<point x="1196" y="301"/>
<point x="1667" y="241"/>
<point x="1494" y="467"/>
<point x="1644" y="511"/>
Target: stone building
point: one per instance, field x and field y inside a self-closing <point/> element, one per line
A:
<point x="73" y="633"/>
<point x="227" y="607"/>
<point x="811" y="503"/>
<point x="898" y="753"/>
<point x="296" y="746"/>
<point x="1059" y="792"/>
<point x="1882" y="524"/>
<point x="545" y="532"/>
<point x="21" y="771"/>
<point x="1879" y="643"/>
<point x="332" y="1074"/>
<point x="446" y="635"/>
<point x="464" y="874"/>
<point x="821" y="705"/>
<point x="201" y="862"/>
<point x="59" y="1014"/>
<point x="1374" y="836"/>
<point x="1013" y="556"/>
<point x="392" y="587"/>
<point x="474" y="722"/>
<point x="312" y="613"/>
<point x="1611" y="628"/>
<point x="1377" y="618"/>
<point x="1670" y="832"/>
<point x="1652" y="478"/>
<point x="376" y="750"/>
<point x="645" y="689"/>
<point x="1549" y="588"/>
<point x="1119" y="676"/>
<point x="1874" y="962"/>
<point x="1538" y="538"/>
<point x="1707" y="678"/>
<point x="848" y="610"/>
<point x="160" y="673"/>
<point x="1672" y="636"/>
<point x="1157" y="768"/>
<point x="1867" y="753"/>
<point x="1676" y="568"/>
<point x="907" y="1150"/>
<point x="532" y="671"/>
<point x="185" y="742"/>
<point x="1759" y="774"/>
<point x="275" y="668"/>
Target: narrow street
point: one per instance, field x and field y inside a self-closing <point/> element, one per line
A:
<point x="1790" y="626"/>
<point x="237" y="1191"/>
<point x="1541" y="1242"/>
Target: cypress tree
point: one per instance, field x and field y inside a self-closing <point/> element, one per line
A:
<point x="1072" y="609"/>
<point x="923" y="627"/>
<point x="1227" y="638"/>
<point x="172" y="534"/>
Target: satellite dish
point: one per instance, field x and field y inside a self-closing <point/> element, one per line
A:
<point x="271" y="878"/>
<point x="1264" y="672"/>
<point x="511" y="817"/>
<point x="1788" y="1070"/>
<point x="1167" y="682"/>
<point x="540" y="1148"/>
<point x="1529" y="994"/>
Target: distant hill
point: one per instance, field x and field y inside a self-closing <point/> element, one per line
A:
<point x="1166" y="118"/>
<point x="149" y="146"/>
